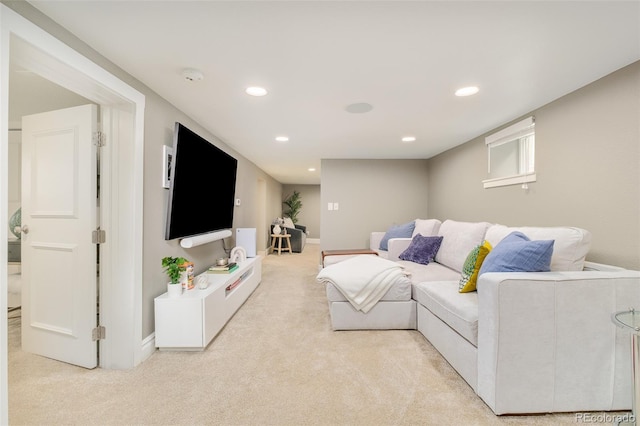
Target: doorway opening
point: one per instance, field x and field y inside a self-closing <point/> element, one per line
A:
<point x="122" y="183"/>
<point x="122" y="113"/>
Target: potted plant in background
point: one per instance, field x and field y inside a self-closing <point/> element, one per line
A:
<point x="294" y="203"/>
<point x="174" y="267"/>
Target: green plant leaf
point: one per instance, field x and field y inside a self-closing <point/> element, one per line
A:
<point x="174" y="266"/>
<point x="294" y="203"/>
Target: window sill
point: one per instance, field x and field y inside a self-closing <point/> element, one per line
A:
<point x="509" y="180"/>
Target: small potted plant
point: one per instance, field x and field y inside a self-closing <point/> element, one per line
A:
<point x="174" y="267"/>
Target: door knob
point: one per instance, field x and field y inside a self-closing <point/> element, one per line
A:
<point x="23" y="229"/>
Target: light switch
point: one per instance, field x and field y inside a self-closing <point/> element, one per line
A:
<point x="330" y="206"/>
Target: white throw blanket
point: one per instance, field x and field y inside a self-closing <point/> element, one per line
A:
<point x="363" y="280"/>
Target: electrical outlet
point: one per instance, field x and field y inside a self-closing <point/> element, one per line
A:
<point x="237" y="201"/>
<point x="335" y="206"/>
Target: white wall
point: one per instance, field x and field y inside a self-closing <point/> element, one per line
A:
<point x="15" y="159"/>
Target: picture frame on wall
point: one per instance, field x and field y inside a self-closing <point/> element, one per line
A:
<point x="167" y="158"/>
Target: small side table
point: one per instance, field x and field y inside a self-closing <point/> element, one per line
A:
<point x="630" y="321"/>
<point x="276" y="241"/>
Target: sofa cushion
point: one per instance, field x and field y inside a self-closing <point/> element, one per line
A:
<point x="426" y="227"/>
<point x="422" y="249"/>
<point x="517" y="253"/>
<point x="458" y="310"/>
<point x="569" y="250"/>
<point x="471" y="267"/>
<point x="459" y="239"/>
<point x="397" y="231"/>
<point x="431" y="272"/>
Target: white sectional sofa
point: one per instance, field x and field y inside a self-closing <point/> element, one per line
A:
<point x="526" y="342"/>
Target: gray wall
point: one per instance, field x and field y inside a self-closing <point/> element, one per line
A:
<point x="310" y="214"/>
<point x="372" y="195"/>
<point x="259" y="192"/>
<point x="588" y="171"/>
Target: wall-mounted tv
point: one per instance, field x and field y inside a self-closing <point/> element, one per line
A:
<point x="202" y="189"/>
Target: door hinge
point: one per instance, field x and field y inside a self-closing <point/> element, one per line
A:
<point x="98" y="236"/>
<point x="99" y="333"/>
<point x="99" y="139"/>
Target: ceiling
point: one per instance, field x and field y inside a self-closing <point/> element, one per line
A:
<point x="315" y="58"/>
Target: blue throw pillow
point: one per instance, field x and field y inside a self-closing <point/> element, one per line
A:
<point x="397" y="231"/>
<point x="517" y="253"/>
<point x="422" y="249"/>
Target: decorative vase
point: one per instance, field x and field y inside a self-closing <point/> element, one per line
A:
<point x="174" y="290"/>
<point x="277" y="229"/>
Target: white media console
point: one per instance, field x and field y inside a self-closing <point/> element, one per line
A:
<point x="192" y="320"/>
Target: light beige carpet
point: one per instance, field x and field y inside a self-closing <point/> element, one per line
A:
<point x="277" y="362"/>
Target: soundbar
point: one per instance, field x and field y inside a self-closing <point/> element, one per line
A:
<point x="199" y="240"/>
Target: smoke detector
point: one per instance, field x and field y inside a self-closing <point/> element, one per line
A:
<point x="192" y="74"/>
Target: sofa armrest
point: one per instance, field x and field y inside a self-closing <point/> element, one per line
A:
<point x="374" y="240"/>
<point x="546" y="340"/>
<point x="303" y="228"/>
<point x="396" y="247"/>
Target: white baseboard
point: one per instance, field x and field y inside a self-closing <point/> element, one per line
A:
<point x="148" y="346"/>
<point x="313" y="240"/>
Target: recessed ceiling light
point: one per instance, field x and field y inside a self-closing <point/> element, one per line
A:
<point x="256" y="91"/>
<point x="359" y="108"/>
<point x="409" y="139"/>
<point x="311" y="169"/>
<point x="467" y="91"/>
<point x="282" y="138"/>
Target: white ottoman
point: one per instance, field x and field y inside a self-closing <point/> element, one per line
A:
<point x="396" y="310"/>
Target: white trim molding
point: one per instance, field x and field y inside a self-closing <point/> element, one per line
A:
<point x="510" y="180"/>
<point x="522" y="127"/>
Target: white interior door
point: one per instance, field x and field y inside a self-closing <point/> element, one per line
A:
<point x="59" y="213"/>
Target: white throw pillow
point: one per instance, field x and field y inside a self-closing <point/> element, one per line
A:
<point x="459" y="239"/>
<point x="426" y="227"/>
<point x="288" y="223"/>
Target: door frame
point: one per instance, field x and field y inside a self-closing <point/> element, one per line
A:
<point x="122" y="185"/>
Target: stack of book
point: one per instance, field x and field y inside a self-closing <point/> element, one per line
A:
<point x="226" y="269"/>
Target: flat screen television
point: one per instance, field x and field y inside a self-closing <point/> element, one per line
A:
<point x="202" y="186"/>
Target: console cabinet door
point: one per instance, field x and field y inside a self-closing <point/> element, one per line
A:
<point x="178" y="322"/>
<point x="214" y="318"/>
